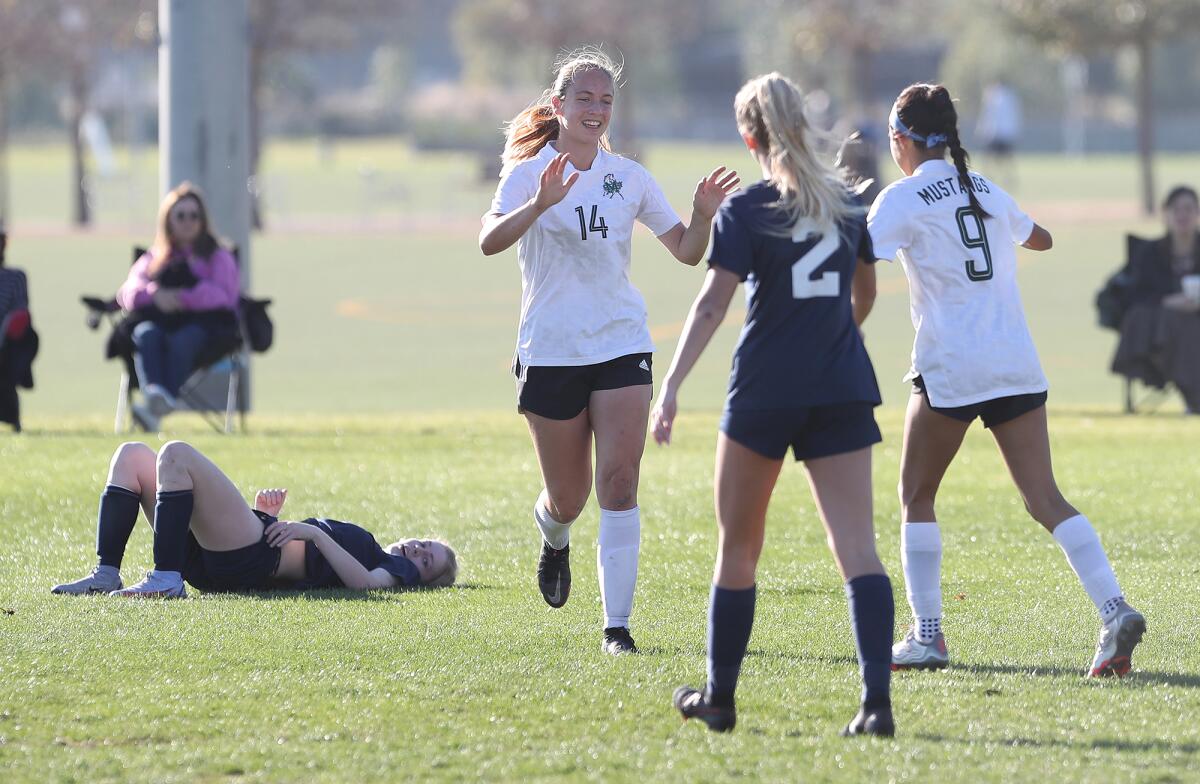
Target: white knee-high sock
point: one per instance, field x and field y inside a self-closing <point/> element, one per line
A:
<point x="617" y="563"/>
<point x="556" y="534"/>
<point x="1086" y="555"/>
<point x="921" y="556"/>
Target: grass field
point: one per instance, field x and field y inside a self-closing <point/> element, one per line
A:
<point x="386" y="401"/>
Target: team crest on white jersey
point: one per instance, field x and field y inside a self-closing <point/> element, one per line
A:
<point x="612" y="186"/>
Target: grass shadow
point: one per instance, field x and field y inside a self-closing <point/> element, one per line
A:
<point x="345" y="594"/>
<point x="1109" y="744"/>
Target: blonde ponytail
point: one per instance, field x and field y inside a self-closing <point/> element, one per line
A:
<point x="536" y="126"/>
<point x="770" y="108"/>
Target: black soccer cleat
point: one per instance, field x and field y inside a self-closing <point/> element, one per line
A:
<point x="693" y="704"/>
<point x="872" y="721"/>
<point x="617" y="641"/>
<point x="554" y="575"/>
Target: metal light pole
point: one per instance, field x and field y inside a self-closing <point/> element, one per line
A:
<point x="203" y="113"/>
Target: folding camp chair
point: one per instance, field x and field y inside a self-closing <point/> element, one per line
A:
<point x="216" y="386"/>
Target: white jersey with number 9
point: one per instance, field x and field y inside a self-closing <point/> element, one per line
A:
<point x="972" y="343"/>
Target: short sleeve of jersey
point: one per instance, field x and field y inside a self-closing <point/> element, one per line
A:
<point x="404" y="570"/>
<point x="732" y="247"/>
<point x="1019" y="223"/>
<point x="517" y="186"/>
<point x="888" y="225"/>
<point x="866" y="248"/>
<point x="655" y="211"/>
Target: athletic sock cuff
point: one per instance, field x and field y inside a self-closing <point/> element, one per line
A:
<point x="168" y="494"/>
<point x="118" y="490"/>
<point x="1074" y="531"/>
<point x="624" y="514"/>
<point x="921" y="536"/>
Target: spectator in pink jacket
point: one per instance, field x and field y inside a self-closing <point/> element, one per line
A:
<point x="185" y="290"/>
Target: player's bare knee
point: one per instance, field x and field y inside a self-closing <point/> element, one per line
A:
<point x="130" y="454"/>
<point x="174" y="459"/>
<point x="618" y="488"/>
<point x="566" y="510"/>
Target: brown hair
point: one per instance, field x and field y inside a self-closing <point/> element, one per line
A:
<point x="770" y="108"/>
<point x="535" y="127"/>
<point x="164" y="246"/>
<point x="929" y="109"/>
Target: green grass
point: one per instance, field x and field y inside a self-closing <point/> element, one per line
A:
<point x="387" y="400"/>
<point x="483" y="681"/>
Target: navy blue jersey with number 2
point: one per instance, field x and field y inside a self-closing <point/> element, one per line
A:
<point x="799" y="346"/>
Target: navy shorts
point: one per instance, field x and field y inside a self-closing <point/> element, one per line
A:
<point x="992" y="412"/>
<point x="811" y="432"/>
<point x="249" y="568"/>
<point x="562" y="392"/>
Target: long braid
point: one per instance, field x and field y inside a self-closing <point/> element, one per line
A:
<point x="961" y="158"/>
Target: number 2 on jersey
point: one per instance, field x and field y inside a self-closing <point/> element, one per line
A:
<point x="974" y="239"/>
<point x="592" y="225"/>
<point x="829" y="284"/>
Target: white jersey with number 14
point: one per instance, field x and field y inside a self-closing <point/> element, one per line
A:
<point x="972" y="342"/>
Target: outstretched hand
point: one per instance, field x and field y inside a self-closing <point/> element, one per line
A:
<point x="712" y="190"/>
<point x="662" y="417"/>
<point x="270" y="501"/>
<point x="552" y="188"/>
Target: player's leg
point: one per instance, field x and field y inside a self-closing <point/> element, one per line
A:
<point x="841" y="488"/>
<point x="563" y="448"/>
<point x="743" y="485"/>
<point x="618" y="420"/>
<point x="131" y="482"/>
<point x="1025" y="444"/>
<point x="193" y="495"/>
<point x="931" y="440"/>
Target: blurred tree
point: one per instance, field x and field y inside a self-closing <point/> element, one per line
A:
<point x="68" y="38"/>
<point x="487" y="30"/>
<point x="280" y="27"/>
<point x="1083" y="26"/>
<point x="833" y="44"/>
<point x="19" y="39"/>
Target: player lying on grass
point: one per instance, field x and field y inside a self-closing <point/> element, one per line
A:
<point x="801" y="379"/>
<point x="206" y="534"/>
<point x="955" y="233"/>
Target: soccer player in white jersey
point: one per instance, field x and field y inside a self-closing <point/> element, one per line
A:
<point x="583" y="358"/>
<point x="954" y="231"/>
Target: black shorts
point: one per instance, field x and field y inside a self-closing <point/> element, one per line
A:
<point x="811" y="432"/>
<point x="562" y="392"/>
<point x="992" y="412"/>
<point x="249" y="568"/>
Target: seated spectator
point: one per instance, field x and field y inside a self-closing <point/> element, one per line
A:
<point x="183" y="293"/>
<point x="18" y="341"/>
<point x="1160" y="333"/>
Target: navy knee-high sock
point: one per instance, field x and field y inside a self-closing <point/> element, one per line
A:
<point x="730" y="617"/>
<point x="873" y="614"/>
<point x="172" y="515"/>
<point x="114" y="523"/>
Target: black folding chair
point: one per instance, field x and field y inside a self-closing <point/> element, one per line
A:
<point x="1112" y="303"/>
<point x="204" y="392"/>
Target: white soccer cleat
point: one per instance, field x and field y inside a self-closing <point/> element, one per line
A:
<point x="1118" y="638"/>
<point x="154" y="586"/>
<point x="912" y="654"/>
<point x="99" y="581"/>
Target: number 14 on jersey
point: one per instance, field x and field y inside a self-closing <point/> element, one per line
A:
<point x="596" y="224"/>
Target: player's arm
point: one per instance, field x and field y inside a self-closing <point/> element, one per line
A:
<point x="353" y="574"/>
<point x="863" y="291"/>
<point x="688" y="243"/>
<point x="1039" y="239"/>
<point x="501" y="231"/>
<point x="705" y="316"/>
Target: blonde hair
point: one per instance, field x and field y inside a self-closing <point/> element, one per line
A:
<point x="450" y="573"/>
<point x="536" y="126"/>
<point x="770" y="109"/>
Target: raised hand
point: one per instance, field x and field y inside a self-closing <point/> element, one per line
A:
<point x="270" y="501"/>
<point x="662" y="417"/>
<point x="712" y="190"/>
<point x="552" y="188"/>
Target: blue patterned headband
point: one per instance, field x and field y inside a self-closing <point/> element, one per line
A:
<point x="932" y="140"/>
